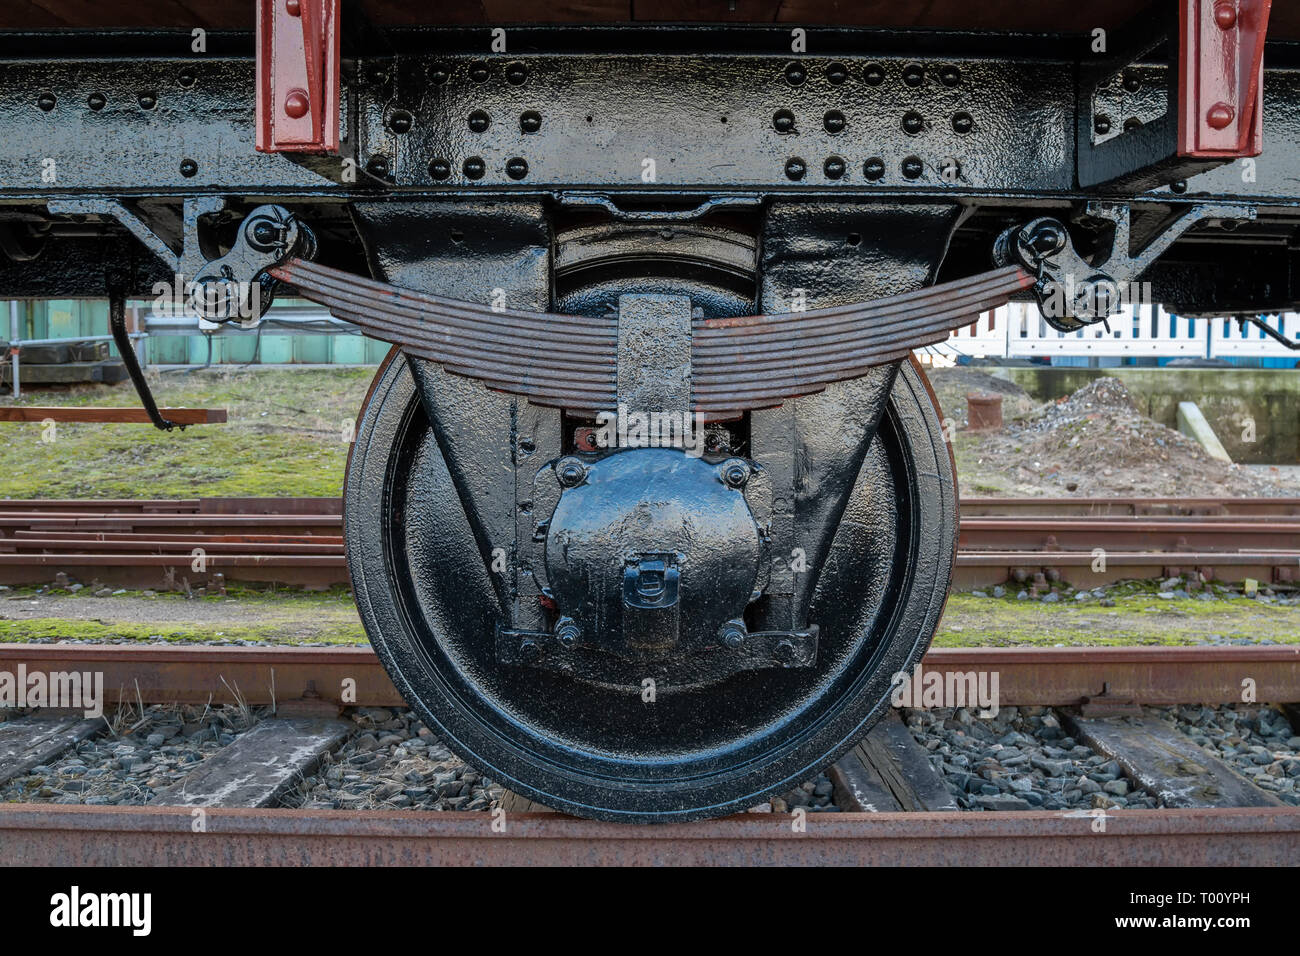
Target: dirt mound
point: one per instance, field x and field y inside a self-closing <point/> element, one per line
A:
<point x="1096" y="443"/>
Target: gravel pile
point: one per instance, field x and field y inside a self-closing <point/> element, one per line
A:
<point x="129" y="766"/>
<point x="1021" y="759"/>
<point x="1258" y="742"/>
<point x="392" y="761"/>
<point x="813" y="795"/>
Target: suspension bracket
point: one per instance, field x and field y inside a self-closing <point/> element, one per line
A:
<point x="1073" y="292"/>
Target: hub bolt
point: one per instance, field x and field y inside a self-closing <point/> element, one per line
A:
<point x="733" y="633"/>
<point x="567" y="632"/>
<point x="735" y="473"/>
<point x="571" y="472"/>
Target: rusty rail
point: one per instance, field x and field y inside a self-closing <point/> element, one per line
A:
<point x="1043" y="676"/>
<point x="163" y="836"/>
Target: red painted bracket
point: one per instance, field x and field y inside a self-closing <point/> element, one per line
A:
<point x="298" y="76"/>
<point x="1221" y="81"/>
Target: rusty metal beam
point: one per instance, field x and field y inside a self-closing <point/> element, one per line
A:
<point x="148" y="836"/>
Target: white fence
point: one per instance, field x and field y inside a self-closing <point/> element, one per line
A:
<point x="1019" y="331"/>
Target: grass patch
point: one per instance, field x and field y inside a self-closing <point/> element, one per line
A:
<point x="1137" y="618"/>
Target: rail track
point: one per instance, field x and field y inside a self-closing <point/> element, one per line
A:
<point x="298" y="541"/>
<point x="894" y="807"/>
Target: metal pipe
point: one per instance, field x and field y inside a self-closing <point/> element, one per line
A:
<point x="13" y="341"/>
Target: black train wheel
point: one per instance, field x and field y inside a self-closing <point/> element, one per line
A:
<point x="595" y="751"/>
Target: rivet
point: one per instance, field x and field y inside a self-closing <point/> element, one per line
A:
<point x="913" y="167"/>
<point x="478" y="71"/>
<point x="46" y="101"/>
<point x="1132" y="82"/>
<point x="783" y="121"/>
<point x="913" y="123"/>
<point x="795" y="168"/>
<point x="479" y="121"/>
<point x="873" y="168"/>
<point x="516" y="74"/>
<point x="837" y="73"/>
<point x="438" y="73"/>
<point x="148" y="101"/>
<point x="186" y="79"/>
<point x="96" y="101"/>
<point x="1220" y="115"/>
<point x="516" y="168"/>
<point x="1225" y="15"/>
<point x="950" y="76"/>
<point x="913" y="75"/>
<point x="400" y="122"/>
<point x="834" y="167"/>
<point x="474" y="167"/>
<point x="795" y="74"/>
<point x="962" y="123"/>
<point x="833" y="121"/>
<point x="295" y="104"/>
<point x="1101" y="124"/>
<point x="188" y="168"/>
<point x="439" y="169"/>
<point x="530" y="122"/>
<point x="378" y="166"/>
<point x="1131" y="124"/>
<point x="1178" y="186"/>
<point x="293" y="7"/>
<point x="873" y="74"/>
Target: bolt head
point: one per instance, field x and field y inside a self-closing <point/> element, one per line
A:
<point x="784" y="652"/>
<point x="570" y="472"/>
<point x="733" y="633"/>
<point x="567" y="632"/>
<point x="735" y="473"/>
<point x="189" y="168"/>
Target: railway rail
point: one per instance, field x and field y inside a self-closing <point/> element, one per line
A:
<point x="298" y="541"/>
<point x="894" y="807"/>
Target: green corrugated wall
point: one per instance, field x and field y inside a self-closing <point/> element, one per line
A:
<point x="75" y="318"/>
